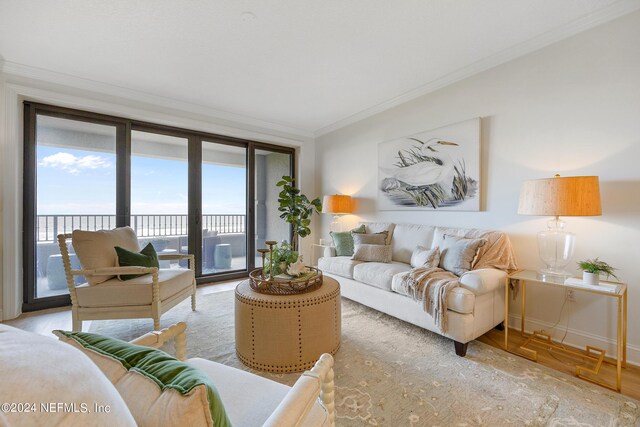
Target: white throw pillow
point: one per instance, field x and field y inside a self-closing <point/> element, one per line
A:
<point x="43" y="371"/>
<point x="423" y="257"/>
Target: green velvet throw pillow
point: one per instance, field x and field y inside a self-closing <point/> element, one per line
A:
<point x="146" y="258"/>
<point x="164" y="370"/>
<point x="343" y="241"/>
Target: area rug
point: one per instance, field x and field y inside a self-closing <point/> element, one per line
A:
<point x="390" y="373"/>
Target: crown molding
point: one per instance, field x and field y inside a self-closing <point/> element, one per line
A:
<point x="12" y="69"/>
<point x="599" y="17"/>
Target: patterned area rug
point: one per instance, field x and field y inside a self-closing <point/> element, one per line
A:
<point x="390" y="373"/>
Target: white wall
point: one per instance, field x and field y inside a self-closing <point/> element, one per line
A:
<point x="572" y="108"/>
<point x="67" y="91"/>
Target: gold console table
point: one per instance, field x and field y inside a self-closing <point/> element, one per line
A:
<point x="615" y="290"/>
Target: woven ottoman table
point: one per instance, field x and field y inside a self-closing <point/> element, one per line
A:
<point x="287" y="333"/>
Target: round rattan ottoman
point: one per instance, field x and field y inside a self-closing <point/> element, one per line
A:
<point x="287" y="333"/>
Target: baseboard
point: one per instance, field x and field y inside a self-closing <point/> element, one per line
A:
<point x="577" y="338"/>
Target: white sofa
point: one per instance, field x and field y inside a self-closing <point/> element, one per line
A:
<point x="474" y="308"/>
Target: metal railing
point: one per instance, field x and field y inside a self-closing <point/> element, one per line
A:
<point x="162" y="225"/>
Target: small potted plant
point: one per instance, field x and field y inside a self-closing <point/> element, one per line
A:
<point x="593" y="268"/>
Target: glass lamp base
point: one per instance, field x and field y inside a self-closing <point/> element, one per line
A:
<point x="556" y="248"/>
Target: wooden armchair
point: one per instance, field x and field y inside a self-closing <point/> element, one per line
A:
<point x="310" y="401"/>
<point x="104" y="296"/>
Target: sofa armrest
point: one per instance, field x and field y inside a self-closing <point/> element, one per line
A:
<point x="483" y="280"/>
<point x="329" y="251"/>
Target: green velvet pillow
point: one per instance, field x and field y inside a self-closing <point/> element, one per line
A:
<point x="343" y="241"/>
<point x="146" y="258"/>
<point x="165" y="371"/>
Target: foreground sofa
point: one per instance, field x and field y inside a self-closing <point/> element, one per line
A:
<point x="48" y="382"/>
<point x="474" y="308"/>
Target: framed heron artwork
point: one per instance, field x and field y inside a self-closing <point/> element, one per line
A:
<point x="437" y="169"/>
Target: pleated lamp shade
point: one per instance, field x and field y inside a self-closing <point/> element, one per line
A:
<point x="337" y="204"/>
<point x="561" y="196"/>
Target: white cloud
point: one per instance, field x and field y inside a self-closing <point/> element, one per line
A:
<point x="74" y="164"/>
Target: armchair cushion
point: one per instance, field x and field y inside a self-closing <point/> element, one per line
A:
<point x="136" y="291"/>
<point x="158" y="389"/>
<point x="147" y="257"/>
<point x="95" y="249"/>
<point x="39" y="369"/>
<point x="237" y="387"/>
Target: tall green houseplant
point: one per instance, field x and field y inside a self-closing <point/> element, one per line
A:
<point x="296" y="209"/>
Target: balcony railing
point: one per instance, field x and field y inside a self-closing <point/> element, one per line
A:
<point x="163" y="225"/>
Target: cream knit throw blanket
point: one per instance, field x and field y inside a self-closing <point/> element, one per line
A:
<point x="430" y="286"/>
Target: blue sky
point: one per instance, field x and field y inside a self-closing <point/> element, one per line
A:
<point x="83" y="182"/>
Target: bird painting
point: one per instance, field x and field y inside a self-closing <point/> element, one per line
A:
<point x="427" y="172"/>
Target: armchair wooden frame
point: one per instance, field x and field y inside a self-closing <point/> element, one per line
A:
<point x="318" y="382"/>
<point x="154" y="310"/>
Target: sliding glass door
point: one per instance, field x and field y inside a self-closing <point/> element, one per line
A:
<point x="224" y="208"/>
<point x="183" y="191"/>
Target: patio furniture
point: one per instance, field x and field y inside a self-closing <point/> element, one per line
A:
<point x="105" y="296"/>
<point x="222" y="257"/>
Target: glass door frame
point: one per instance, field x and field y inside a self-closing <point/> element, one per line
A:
<point x="124" y="127"/>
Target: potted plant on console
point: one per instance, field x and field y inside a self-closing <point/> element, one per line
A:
<point x="592" y="269"/>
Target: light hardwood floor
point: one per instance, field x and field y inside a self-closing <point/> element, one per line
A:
<point x="43" y="322"/>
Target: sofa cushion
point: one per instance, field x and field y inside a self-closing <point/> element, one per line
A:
<point x="339" y="265"/>
<point x="377" y="227"/>
<point x="135" y="291"/>
<point x="343" y="240"/>
<point x="158" y="388"/>
<point x="42" y="370"/>
<point x="423" y="257"/>
<point x="369" y="253"/>
<point x="370" y="238"/>
<point x="379" y="274"/>
<point x="406" y="237"/>
<point x="457" y="253"/>
<point x="95" y="249"/>
<point x="459" y="299"/>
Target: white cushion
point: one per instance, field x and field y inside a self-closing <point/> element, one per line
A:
<point x="95" y="249"/>
<point x="250" y="399"/>
<point x="459" y="299"/>
<point x="39" y="369"/>
<point x="407" y="236"/>
<point x="423" y="257"/>
<point x="439" y="232"/>
<point x="378" y="227"/>
<point x="339" y="265"/>
<point x="149" y="404"/>
<point x="379" y="274"/>
<point x="137" y="291"/>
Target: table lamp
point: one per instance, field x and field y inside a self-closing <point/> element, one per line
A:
<point x="337" y="204"/>
<point x="559" y="196"/>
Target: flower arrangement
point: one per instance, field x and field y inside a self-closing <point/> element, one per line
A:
<point x="285" y="261"/>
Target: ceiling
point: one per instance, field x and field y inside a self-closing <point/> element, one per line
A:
<point x="310" y="66"/>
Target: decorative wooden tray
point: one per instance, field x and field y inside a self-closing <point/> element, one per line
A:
<point x="285" y="285"/>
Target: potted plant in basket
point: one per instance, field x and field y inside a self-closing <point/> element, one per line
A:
<point x="593" y="268"/>
<point x="296" y="209"/>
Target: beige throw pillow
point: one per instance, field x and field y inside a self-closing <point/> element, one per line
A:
<point x="423" y="257"/>
<point x="96" y="249"/>
<point x="369" y="239"/>
<point x="457" y="253"/>
<point x="372" y="253"/>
